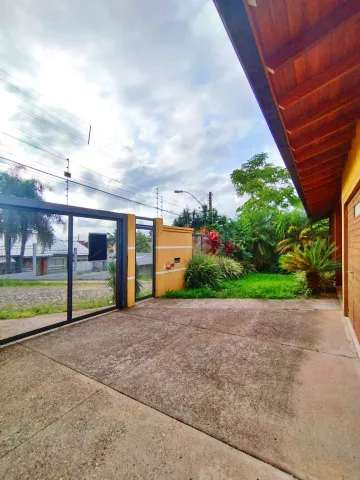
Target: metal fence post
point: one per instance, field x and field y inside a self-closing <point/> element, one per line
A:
<point x="34" y="258"/>
<point x="70" y="268"/>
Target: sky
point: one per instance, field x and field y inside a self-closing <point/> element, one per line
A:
<point x="159" y="82"/>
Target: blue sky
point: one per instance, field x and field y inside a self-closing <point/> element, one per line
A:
<point x="159" y="82"/>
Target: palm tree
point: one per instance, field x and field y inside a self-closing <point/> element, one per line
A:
<point x="315" y="260"/>
<point x="18" y="224"/>
<point x="295" y="229"/>
<point x="260" y="238"/>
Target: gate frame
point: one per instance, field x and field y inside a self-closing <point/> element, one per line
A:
<point x="151" y="228"/>
<point x="71" y="212"/>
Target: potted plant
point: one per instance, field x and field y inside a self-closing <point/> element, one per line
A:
<point x="314" y="260"/>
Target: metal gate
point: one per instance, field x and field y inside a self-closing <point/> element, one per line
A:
<point x="71" y="274"/>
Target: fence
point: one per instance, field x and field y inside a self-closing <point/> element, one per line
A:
<point x="198" y="242"/>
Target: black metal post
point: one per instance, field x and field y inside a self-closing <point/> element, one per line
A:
<point x="154" y="258"/>
<point x="70" y="268"/>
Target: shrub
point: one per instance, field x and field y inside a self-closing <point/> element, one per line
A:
<point x="229" y="269"/>
<point x="212" y="243"/>
<point x="111" y="281"/>
<point x="202" y="271"/>
<point x="230" y="248"/>
<point x="314" y="260"/>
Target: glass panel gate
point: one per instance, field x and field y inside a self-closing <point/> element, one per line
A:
<point x="145" y="258"/>
<point x="58" y="264"/>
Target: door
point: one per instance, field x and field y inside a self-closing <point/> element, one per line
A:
<point x="353" y="221"/>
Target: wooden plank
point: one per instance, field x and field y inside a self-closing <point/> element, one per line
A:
<point x="328" y="185"/>
<point x="326" y="130"/>
<point x="319" y="180"/>
<point x="346" y="12"/>
<point x="337" y="162"/>
<point x="309" y="152"/>
<point x="320" y="172"/>
<point x="321" y="79"/>
<point x="348" y="99"/>
<point x="329" y="155"/>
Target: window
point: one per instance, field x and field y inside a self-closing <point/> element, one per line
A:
<point x="357" y="209"/>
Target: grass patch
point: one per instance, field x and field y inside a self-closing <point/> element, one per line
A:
<point x="30" y="283"/>
<point x="255" y="285"/>
<point x="12" y="312"/>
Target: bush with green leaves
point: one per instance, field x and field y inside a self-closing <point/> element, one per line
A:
<point x="229" y="269"/>
<point x="202" y="271"/>
<point x="315" y="260"/>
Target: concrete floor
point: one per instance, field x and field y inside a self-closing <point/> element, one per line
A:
<point x="214" y="389"/>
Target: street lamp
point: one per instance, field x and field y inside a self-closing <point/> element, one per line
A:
<point x="183" y="191"/>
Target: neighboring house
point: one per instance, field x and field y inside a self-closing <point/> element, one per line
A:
<point x="145" y="263"/>
<point x="303" y="65"/>
<point x="48" y="260"/>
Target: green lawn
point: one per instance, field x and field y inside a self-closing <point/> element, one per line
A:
<point x="30" y="283"/>
<point x="255" y="285"/>
<point x="12" y="311"/>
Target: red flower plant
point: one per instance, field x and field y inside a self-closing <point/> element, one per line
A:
<point x="229" y="248"/>
<point x="212" y="243"/>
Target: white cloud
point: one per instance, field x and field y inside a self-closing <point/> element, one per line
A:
<point x="158" y="81"/>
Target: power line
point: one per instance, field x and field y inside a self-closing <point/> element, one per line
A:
<point x="83" y="185"/>
<point x="82" y="176"/>
<point x="22" y="93"/>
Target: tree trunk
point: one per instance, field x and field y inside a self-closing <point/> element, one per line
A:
<point x="313" y="282"/>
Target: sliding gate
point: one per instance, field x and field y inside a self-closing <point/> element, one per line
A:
<point x="58" y="264"/>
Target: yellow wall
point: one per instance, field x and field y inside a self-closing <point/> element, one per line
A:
<point x="171" y="243"/>
<point x="351" y="173"/>
<point x="131" y="261"/>
<point x="350" y="179"/>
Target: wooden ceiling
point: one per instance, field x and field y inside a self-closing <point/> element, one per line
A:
<point x="310" y="53"/>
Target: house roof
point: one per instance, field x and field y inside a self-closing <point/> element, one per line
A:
<point x="59" y="247"/>
<point x="302" y="60"/>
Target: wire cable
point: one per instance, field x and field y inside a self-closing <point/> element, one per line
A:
<point x="83" y="185"/>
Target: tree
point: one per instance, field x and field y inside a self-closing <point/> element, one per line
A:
<point x="267" y="185"/>
<point x="19" y="224"/>
<point x="295" y="229"/>
<point x="199" y="219"/>
<point x="142" y="243"/>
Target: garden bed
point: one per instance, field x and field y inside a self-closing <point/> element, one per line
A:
<point x="255" y="285"/>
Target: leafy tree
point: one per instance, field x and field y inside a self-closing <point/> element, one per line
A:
<point x="259" y="237"/>
<point x="142" y="243"/>
<point x="18" y="224"/>
<point x="267" y="185"/>
<point x="199" y="219"/>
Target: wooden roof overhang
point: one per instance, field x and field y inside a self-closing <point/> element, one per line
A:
<point x="302" y="59"/>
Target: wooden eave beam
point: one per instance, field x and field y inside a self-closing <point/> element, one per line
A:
<point x="322" y="147"/>
<point x="337" y="162"/>
<point x="324" y="131"/>
<point x="339" y="151"/>
<point x="320" y="80"/>
<point x="307" y="39"/>
<point x="311" y="175"/>
<point x="328" y="185"/>
<point x="321" y="179"/>
<point x="339" y="103"/>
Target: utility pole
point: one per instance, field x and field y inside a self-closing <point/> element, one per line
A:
<point x="67" y="174"/>
<point x="210" y="207"/>
<point x="161" y="205"/>
<point x="157" y="202"/>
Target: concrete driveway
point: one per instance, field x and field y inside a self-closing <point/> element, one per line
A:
<point x="207" y="389"/>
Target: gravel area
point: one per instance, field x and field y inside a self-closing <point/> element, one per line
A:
<point x="24" y="297"/>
